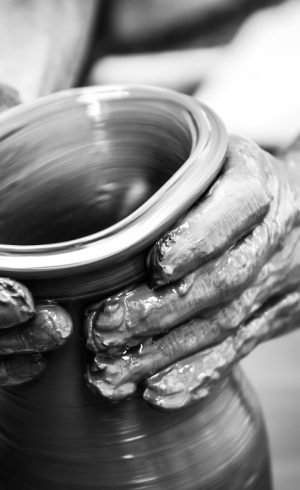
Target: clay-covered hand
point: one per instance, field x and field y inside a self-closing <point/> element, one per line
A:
<point x="26" y="331"/>
<point x="225" y="278"/>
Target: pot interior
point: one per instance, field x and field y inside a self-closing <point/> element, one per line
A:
<point x="71" y="168"/>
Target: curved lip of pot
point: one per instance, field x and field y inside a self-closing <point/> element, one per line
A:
<point x="143" y="226"/>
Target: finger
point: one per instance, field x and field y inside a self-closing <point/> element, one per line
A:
<point x="115" y="392"/>
<point x="48" y="330"/>
<point x="236" y="203"/>
<point x="278" y="276"/>
<point x="112" y="376"/>
<point x="127" y="318"/>
<point x="193" y="378"/>
<point x="16" y="303"/>
<point x="19" y="369"/>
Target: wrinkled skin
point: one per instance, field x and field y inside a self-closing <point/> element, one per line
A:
<point x="26" y="330"/>
<point x="224" y="279"/>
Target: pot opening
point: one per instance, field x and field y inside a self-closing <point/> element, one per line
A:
<point x="74" y="169"/>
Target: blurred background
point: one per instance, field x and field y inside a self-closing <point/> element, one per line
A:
<point x="241" y="57"/>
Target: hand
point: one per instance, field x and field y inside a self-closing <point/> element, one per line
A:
<point x="225" y="278"/>
<point x="26" y="332"/>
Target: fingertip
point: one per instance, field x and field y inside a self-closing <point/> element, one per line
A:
<point x="107" y="390"/>
<point x="103" y="324"/>
<point x="167" y="260"/>
<point x="108" y="314"/>
<point x="159" y="274"/>
<point x="164" y="399"/>
<point x="57" y="323"/>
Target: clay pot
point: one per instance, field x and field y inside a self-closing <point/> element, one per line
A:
<point x="90" y="178"/>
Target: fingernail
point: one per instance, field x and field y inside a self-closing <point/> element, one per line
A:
<point x="110" y="315"/>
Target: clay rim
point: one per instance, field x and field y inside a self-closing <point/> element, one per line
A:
<point x="136" y="231"/>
